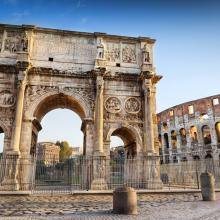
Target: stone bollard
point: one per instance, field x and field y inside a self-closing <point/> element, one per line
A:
<point x="207" y="186"/>
<point x="125" y="201"/>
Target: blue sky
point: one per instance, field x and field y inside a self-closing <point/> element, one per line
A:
<point x="187" y="51"/>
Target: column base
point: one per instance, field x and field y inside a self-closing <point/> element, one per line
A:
<point x="99" y="184"/>
<point x="9" y="185"/>
<point x="155" y="183"/>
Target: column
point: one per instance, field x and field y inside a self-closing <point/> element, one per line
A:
<point x="148" y="119"/>
<point x="98" y="149"/>
<point x="10" y="181"/>
<point x="19" y="112"/>
<point x="99" y="161"/>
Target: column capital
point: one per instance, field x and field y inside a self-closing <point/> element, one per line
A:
<point x="149" y="77"/>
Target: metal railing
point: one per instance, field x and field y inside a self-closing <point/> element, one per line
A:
<point x="99" y="173"/>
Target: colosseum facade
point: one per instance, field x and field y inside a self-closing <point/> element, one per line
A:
<point x="190" y="131"/>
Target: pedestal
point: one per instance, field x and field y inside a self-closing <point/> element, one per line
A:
<point x="9" y="168"/>
<point x="99" y="174"/>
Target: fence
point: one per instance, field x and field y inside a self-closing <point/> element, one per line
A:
<point x="86" y="173"/>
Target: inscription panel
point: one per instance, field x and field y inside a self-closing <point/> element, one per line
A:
<point x="63" y="47"/>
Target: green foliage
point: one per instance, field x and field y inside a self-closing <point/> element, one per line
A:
<point x="65" y="150"/>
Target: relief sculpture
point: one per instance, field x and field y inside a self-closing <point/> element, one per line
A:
<point x="113" y="105"/>
<point x="7" y="99"/>
<point x="112" y="52"/>
<point x="16" y="42"/>
<point x="132" y="105"/>
<point x="129" y="53"/>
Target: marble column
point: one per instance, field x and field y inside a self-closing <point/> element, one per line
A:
<point x="99" y="109"/>
<point x="10" y="181"/>
<point x="19" y="112"/>
<point x="148" y="118"/>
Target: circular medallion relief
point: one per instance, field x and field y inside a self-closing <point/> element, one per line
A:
<point x="7" y="99"/>
<point x="132" y="105"/>
<point x="113" y="104"/>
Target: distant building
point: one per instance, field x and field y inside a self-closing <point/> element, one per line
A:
<point x="48" y="152"/>
<point x="76" y="151"/>
<point x="190" y="130"/>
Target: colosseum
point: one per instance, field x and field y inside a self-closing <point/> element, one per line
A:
<point x="190" y="131"/>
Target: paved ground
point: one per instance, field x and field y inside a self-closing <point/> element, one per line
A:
<point x="151" y="206"/>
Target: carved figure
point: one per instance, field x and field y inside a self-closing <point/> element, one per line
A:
<point x="129" y="54"/>
<point x="132" y="105"/>
<point x="24" y="43"/>
<point x="100" y="50"/>
<point x="113" y="104"/>
<point x="113" y="52"/>
<point x="146" y="54"/>
<point x="6" y="99"/>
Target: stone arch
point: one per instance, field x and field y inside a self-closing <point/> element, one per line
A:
<point x="206" y="133"/>
<point x="82" y="107"/>
<point x="183" y="139"/>
<point x="217" y="130"/>
<point x="44" y="104"/>
<point x="166" y="140"/>
<point x="127" y="133"/>
<point x="173" y="139"/>
<point x="193" y="134"/>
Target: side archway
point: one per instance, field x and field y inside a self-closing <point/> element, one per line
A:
<point x="130" y="137"/>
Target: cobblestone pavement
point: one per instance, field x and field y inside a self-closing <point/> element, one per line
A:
<point x="151" y="206"/>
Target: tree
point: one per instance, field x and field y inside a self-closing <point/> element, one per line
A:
<point x="65" y="150"/>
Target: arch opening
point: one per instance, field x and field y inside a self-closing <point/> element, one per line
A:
<point x="183" y="139"/>
<point x="128" y="140"/>
<point x="206" y="133"/>
<point x="217" y="130"/>
<point x="61" y="118"/>
<point x="193" y="135"/>
<point x="166" y="140"/>
<point x="173" y="139"/>
<point x="2" y="139"/>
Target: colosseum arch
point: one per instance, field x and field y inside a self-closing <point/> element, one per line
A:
<point x="217" y="130"/>
<point x="105" y="91"/>
<point x="206" y="133"/>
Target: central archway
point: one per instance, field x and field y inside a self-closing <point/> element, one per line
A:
<point x="52" y="102"/>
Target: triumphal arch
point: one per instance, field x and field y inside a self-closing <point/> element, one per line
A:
<point x="108" y="80"/>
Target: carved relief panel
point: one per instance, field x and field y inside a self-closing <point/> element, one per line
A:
<point x="121" y="52"/>
<point x="128" y="53"/>
<point x="113" y="52"/>
<point x="123" y="108"/>
<point x="132" y="105"/>
<point x="113" y="105"/>
<point x="7" y="99"/>
<point x="16" y="41"/>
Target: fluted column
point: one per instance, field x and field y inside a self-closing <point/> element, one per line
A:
<point x="99" y="115"/>
<point x="148" y="119"/>
<point x="19" y="111"/>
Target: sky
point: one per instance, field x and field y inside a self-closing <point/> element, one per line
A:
<point x="187" y="50"/>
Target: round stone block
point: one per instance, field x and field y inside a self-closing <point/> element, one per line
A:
<point x="125" y="201"/>
<point x="207" y="186"/>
